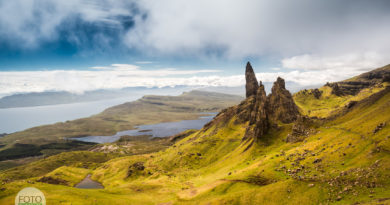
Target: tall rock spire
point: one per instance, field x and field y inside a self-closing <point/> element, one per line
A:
<point x="251" y="81"/>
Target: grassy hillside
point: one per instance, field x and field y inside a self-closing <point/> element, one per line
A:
<point x="346" y="161"/>
<point x="324" y="102"/>
<point x="329" y="104"/>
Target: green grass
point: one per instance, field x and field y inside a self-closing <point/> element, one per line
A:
<point x="82" y="159"/>
<point x="329" y="104"/>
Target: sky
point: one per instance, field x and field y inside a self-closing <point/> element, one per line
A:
<point x="82" y="45"/>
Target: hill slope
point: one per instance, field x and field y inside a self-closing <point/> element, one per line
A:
<point x="333" y="97"/>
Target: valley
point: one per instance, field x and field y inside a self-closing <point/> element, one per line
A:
<point x="52" y="139"/>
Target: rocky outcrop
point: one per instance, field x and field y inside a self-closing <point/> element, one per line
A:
<point x="258" y="121"/>
<point x="51" y="180"/>
<point x="300" y="130"/>
<point x="251" y="81"/>
<point x="317" y="93"/>
<point x="336" y="89"/>
<point x="281" y="106"/>
<point x="135" y="168"/>
<point x="354" y="85"/>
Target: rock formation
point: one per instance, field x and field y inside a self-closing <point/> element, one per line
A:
<point x="317" y="93"/>
<point x="251" y="81"/>
<point x="336" y="89"/>
<point x="258" y="121"/>
<point x="258" y="110"/>
<point x="281" y="106"/>
<point x="300" y="130"/>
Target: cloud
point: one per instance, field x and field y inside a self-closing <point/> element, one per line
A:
<point x="100" y="77"/>
<point x="342" y="63"/>
<point x="260" y="27"/>
<point x="134" y="70"/>
<point x="144" y="62"/>
<point x="218" y="28"/>
<point x="77" y="81"/>
<point x="30" y="23"/>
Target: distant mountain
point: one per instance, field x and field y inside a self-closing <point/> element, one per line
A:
<point x="62" y="97"/>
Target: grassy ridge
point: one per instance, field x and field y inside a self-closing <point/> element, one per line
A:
<point x="329" y="104"/>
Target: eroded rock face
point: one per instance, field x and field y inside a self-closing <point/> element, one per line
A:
<point x="336" y="89"/>
<point x="258" y="121"/>
<point x="281" y="106"/>
<point x="251" y="81"/>
<point x="317" y="93"/>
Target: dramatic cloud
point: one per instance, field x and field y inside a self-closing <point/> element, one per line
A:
<point x="227" y="28"/>
<point x="30" y="23"/>
<point x="314" y="38"/>
<point x="259" y="27"/>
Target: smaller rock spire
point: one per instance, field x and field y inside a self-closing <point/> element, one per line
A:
<point x="251" y="81"/>
<point x="281" y="105"/>
<point x="279" y="84"/>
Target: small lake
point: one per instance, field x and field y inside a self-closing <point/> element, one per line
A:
<point x="154" y="130"/>
<point x="88" y="183"/>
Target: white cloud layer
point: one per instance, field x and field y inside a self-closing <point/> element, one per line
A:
<point x="77" y="81"/>
<point x="342" y="63"/>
